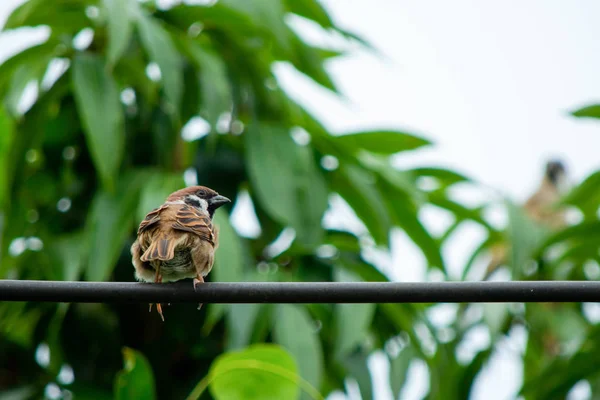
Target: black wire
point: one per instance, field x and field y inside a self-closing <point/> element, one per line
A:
<point x="305" y="292"/>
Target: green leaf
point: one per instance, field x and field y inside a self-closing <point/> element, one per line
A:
<point x="580" y="232"/>
<point x="310" y="9"/>
<point x="268" y="14"/>
<point x="586" y="195"/>
<point x="356" y="364"/>
<point x="162" y="51"/>
<point x="241" y="319"/>
<point x="525" y="236"/>
<point x="229" y="257"/>
<point x="445" y="177"/>
<point x="399" y="369"/>
<point x="19" y="323"/>
<point x="555" y="381"/>
<point x="382" y="142"/>
<point x="218" y="15"/>
<point x="120" y="27"/>
<point x="353" y="321"/>
<point x="214" y="83"/>
<point x="97" y="100"/>
<point x="591" y="111"/>
<point x="156" y="190"/>
<point x="69" y="251"/>
<point x="309" y="61"/>
<point x="367" y="272"/>
<point x="261" y="372"/>
<point x="286" y="181"/>
<point x="21" y="78"/>
<point x="6" y="138"/>
<point x="30" y="56"/>
<point x="111" y="219"/>
<point x="465" y="385"/>
<point x="355" y="185"/>
<point x="399" y="181"/>
<point x="135" y="380"/>
<point x="229" y="264"/>
<point x="495" y="316"/>
<point x="406" y="217"/>
<point x="295" y="331"/>
<point x="64" y="17"/>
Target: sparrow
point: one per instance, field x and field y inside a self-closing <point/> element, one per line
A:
<point x="540" y="207"/>
<point x="178" y="239"/>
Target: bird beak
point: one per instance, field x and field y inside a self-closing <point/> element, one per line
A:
<point x="218" y="201"/>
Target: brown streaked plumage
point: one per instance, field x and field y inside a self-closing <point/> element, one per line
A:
<point x="540" y="207"/>
<point x="178" y="239"/>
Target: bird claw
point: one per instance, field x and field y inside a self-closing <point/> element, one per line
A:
<point x="198" y="281"/>
<point x="159" y="309"/>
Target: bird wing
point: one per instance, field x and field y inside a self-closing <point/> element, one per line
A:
<point x="151" y="218"/>
<point x="189" y="219"/>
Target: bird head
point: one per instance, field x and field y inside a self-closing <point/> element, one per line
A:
<point x="556" y="173"/>
<point x="200" y="197"/>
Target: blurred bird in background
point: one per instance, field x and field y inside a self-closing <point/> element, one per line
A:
<point x="178" y="239"/>
<point x="542" y="207"/>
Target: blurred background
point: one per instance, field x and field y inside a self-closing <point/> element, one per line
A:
<point x="379" y="141"/>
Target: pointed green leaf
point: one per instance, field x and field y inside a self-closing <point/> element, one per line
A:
<point x="267" y="14"/>
<point x="399" y="369"/>
<point x="69" y="251"/>
<point x="311" y="9"/>
<point x="214" y="83"/>
<point x="30" y="56"/>
<point x="111" y="219"/>
<point x="591" y="111"/>
<point x="382" y="142"/>
<point x="261" y="372"/>
<point x="6" y="137"/>
<point x="525" y="237"/>
<point x="295" y="331"/>
<point x="229" y="264"/>
<point x="241" y="319"/>
<point x="356" y="364"/>
<point x="286" y="181"/>
<point x="135" y="380"/>
<point x="406" y="216"/>
<point x="64" y="17"/>
<point x="27" y="73"/>
<point x="162" y="51"/>
<point x="309" y="61"/>
<point x="355" y="185"/>
<point x="586" y="195"/>
<point x="445" y="177"/>
<point x="353" y="321"/>
<point x="97" y="100"/>
<point x="120" y="27"/>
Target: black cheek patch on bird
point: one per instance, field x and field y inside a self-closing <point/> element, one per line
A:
<point x="192" y="202"/>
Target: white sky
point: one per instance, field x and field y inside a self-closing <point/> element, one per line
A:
<point x="491" y="83"/>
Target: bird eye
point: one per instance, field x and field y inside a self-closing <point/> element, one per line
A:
<point x="201" y="192"/>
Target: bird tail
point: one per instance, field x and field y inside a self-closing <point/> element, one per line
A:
<point x="159" y="249"/>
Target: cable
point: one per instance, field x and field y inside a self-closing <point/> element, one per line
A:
<point x="304" y="292"/>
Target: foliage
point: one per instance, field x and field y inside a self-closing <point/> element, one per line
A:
<point x="102" y="144"/>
